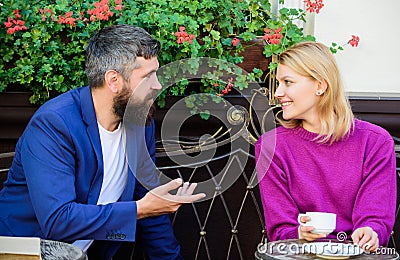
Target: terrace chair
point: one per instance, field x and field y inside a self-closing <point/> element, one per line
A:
<point x="395" y="236"/>
<point x="5" y="163"/>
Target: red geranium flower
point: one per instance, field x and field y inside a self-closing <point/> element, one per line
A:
<point x="313" y="5"/>
<point x="19" y="25"/>
<point x="235" y="42"/>
<point x="183" y="36"/>
<point x="354" y="41"/>
<point x="273" y="36"/>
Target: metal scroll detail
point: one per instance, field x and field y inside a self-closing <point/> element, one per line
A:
<point x="239" y="122"/>
<point x="229" y="180"/>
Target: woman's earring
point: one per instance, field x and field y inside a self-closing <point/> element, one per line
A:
<point x="319" y="93"/>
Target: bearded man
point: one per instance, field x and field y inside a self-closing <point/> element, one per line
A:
<point x="71" y="180"/>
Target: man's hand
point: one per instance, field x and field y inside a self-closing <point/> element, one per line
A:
<point x="159" y="201"/>
<point x="305" y="231"/>
<point x="366" y="238"/>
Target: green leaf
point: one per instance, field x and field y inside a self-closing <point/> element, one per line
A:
<point x="227" y="42"/>
<point x="189" y="103"/>
<point x="284" y="11"/>
<point x="27" y="35"/>
<point x="161" y="102"/>
<point x="215" y="35"/>
<point x="268" y="51"/>
<point x="272" y="65"/>
<point x="205" y="114"/>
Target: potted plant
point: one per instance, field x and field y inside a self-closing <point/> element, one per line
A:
<point x="43" y="42"/>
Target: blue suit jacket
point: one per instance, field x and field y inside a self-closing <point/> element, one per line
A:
<point x="56" y="176"/>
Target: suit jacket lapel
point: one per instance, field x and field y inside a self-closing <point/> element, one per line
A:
<point x="89" y="117"/>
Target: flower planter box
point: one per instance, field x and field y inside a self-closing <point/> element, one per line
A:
<point x="15" y="113"/>
<point x="253" y="56"/>
<point x="194" y="125"/>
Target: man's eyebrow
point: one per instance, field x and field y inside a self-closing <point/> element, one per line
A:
<point x="152" y="71"/>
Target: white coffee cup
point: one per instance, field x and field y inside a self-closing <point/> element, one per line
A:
<point x="322" y="222"/>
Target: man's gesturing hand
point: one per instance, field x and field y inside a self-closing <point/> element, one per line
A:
<point x="159" y="201"/>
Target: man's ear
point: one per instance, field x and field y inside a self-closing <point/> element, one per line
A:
<point x="112" y="80"/>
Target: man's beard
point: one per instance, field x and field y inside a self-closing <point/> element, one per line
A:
<point x="140" y="112"/>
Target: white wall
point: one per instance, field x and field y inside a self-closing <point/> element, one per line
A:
<point x="374" y="66"/>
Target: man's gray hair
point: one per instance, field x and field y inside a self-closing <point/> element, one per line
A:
<point x="116" y="48"/>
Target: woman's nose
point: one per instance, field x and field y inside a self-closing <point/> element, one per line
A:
<point x="279" y="91"/>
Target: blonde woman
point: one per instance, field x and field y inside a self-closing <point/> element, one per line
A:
<point x="324" y="160"/>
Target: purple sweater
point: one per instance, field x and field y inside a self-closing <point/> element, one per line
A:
<point x="354" y="178"/>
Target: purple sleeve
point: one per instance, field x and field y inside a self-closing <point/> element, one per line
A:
<point x="375" y="204"/>
<point x="280" y="210"/>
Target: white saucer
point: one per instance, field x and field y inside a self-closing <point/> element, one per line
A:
<point x="333" y="257"/>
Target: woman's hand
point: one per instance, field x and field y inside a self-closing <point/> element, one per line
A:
<point x="366" y="238"/>
<point x="305" y="231"/>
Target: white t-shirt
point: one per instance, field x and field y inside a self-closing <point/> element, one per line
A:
<point x="115" y="164"/>
<point x="115" y="170"/>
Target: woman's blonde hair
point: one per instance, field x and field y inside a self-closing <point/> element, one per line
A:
<point x="315" y="60"/>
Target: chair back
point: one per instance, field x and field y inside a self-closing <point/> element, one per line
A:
<point x="5" y="163"/>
